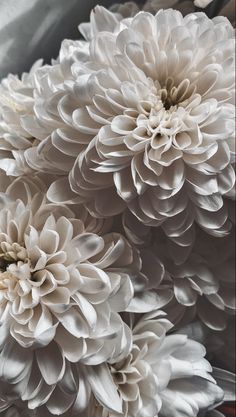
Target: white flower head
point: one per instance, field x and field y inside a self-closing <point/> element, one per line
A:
<point x="163" y="375"/>
<point x="150" y="119"/>
<point x="62" y="287"/>
<point x="58" y="281"/>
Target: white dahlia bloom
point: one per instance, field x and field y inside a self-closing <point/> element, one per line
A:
<point x="16" y="110"/>
<point x="164" y="375"/>
<point x="59" y="282"/>
<point x="61" y="291"/>
<point x="148" y="116"/>
<point x="158" y="149"/>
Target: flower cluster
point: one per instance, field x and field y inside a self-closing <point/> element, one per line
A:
<point x="116" y="219"/>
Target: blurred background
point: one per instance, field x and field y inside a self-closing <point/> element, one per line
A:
<point x="33" y="29"/>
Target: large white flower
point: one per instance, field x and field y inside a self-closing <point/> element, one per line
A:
<point x="16" y="109"/>
<point x="58" y="281"/>
<point x="164" y="375"/>
<point x="150" y="118"/>
<point x="61" y="291"/>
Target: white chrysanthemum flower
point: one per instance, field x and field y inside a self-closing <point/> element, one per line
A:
<point x="61" y="291"/>
<point x="160" y="138"/>
<point x="164" y="375"/>
<point x="16" y="111"/>
<point x="150" y="118"/>
<point x="57" y="281"/>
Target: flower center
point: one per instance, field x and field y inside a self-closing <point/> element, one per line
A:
<point x="5" y="262"/>
<point x="125" y="372"/>
<point x="6" y="276"/>
<point x="174" y="95"/>
<point x="11" y="256"/>
<point x="163" y="114"/>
